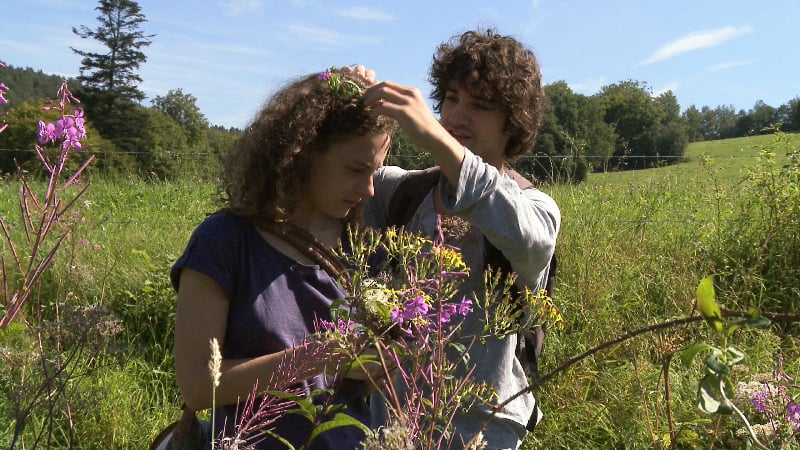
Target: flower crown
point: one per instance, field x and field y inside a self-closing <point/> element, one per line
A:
<point x="337" y="84"/>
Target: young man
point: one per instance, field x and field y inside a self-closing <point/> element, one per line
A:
<point x="487" y="91"/>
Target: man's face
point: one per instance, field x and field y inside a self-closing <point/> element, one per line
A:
<point x="476" y="123"/>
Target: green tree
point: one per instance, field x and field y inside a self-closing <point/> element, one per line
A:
<point x="694" y="123"/>
<point x="163" y="150"/>
<point x="114" y="72"/>
<point x="109" y="78"/>
<point x="726" y="121"/>
<point x="220" y="141"/>
<point x="182" y="108"/>
<point x="404" y="154"/>
<point x="28" y="84"/>
<point x="600" y="136"/>
<point x="793" y="119"/>
<point x="756" y="120"/>
<point x="18" y="139"/>
<point x="635" y="116"/>
<point x="559" y="149"/>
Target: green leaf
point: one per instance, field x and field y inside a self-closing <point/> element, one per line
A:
<point x="304" y="408"/>
<point x="687" y="356"/>
<point x="756" y="320"/>
<point x="716" y="365"/>
<point x="339" y="420"/>
<point x="733" y="355"/>
<point x="708" y="305"/>
<point x="12" y="330"/>
<point x="709" y="397"/>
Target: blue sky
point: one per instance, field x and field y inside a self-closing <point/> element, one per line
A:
<point x="231" y="54"/>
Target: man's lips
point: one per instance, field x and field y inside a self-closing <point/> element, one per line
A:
<point x="460" y="137"/>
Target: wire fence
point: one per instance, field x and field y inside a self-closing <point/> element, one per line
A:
<point x="420" y="156"/>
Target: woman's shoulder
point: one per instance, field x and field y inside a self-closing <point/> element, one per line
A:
<point x="221" y="222"/>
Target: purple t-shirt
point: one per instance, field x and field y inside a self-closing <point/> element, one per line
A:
<point x="274" y="303"/>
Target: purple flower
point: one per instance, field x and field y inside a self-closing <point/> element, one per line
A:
<point x="341" y="326"/>
<point x="793" y="414"/>
<point x="3" y="89"/>
<point x="465" y="306"/>
<point x="325" y="75"/>
<point x="415" y="307"/>
<point x="68" y="129"/>
<point x="396" y="314"/>
<point x="759" y="400"/>
<point x="448" y="309"/>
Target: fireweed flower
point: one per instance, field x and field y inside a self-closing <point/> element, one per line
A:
<point x="69" y="129"/>
<point x="793" y="414"/>
<point x="337" y="84"/>
<point x="341" y="325"/>
<point x="415" y="307"/>
<point x="3" y="90"/>
<point x="760" y="398"/>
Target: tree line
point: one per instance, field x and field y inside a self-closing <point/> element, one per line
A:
<point x="623" y="126"/>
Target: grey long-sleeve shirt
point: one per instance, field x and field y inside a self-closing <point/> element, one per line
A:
<point x="523" y="225"/>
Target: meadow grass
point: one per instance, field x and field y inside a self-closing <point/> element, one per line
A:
<point x="632" y="249"/>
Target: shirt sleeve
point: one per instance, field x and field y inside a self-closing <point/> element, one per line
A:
<point x="522" y="223"/>
<point x="212" y="251"/>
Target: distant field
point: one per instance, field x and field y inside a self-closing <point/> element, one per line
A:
<point x="728" y="157"/>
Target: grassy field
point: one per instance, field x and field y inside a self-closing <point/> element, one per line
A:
<point x="631" y="251"/>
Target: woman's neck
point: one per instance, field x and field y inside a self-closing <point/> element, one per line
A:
<point x="325" y="229"/>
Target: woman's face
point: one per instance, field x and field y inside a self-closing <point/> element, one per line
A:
<point x="341" y="177"/>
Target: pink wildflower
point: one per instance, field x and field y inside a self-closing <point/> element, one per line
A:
<point x="793" y="414"/>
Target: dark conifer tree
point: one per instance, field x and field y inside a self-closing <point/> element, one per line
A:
<point x="109" y="78"/>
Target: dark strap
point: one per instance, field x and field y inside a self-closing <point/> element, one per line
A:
<point x="310" y="246"/>
<point x="409" y="194"/>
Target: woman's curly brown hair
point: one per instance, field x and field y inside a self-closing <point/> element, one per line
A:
<point x="498" y="69"/>
<point x="266" y="172"/>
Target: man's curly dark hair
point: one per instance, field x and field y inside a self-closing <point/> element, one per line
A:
<point x="498" y="69"/>
<point x="266" y="173"/>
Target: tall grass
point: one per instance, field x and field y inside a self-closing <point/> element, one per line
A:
<point x="632" y="248"/>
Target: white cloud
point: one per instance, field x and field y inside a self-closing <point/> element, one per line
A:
<point x="364" y="13"/>
<point x="695" y="41"/>
<point x="728" y="65"/>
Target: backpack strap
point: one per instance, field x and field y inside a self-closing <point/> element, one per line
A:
<point x="306" y="243"/>
<point x="409" y="194"/>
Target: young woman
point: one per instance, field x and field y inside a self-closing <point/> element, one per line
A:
<point x="302" y="168"/>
